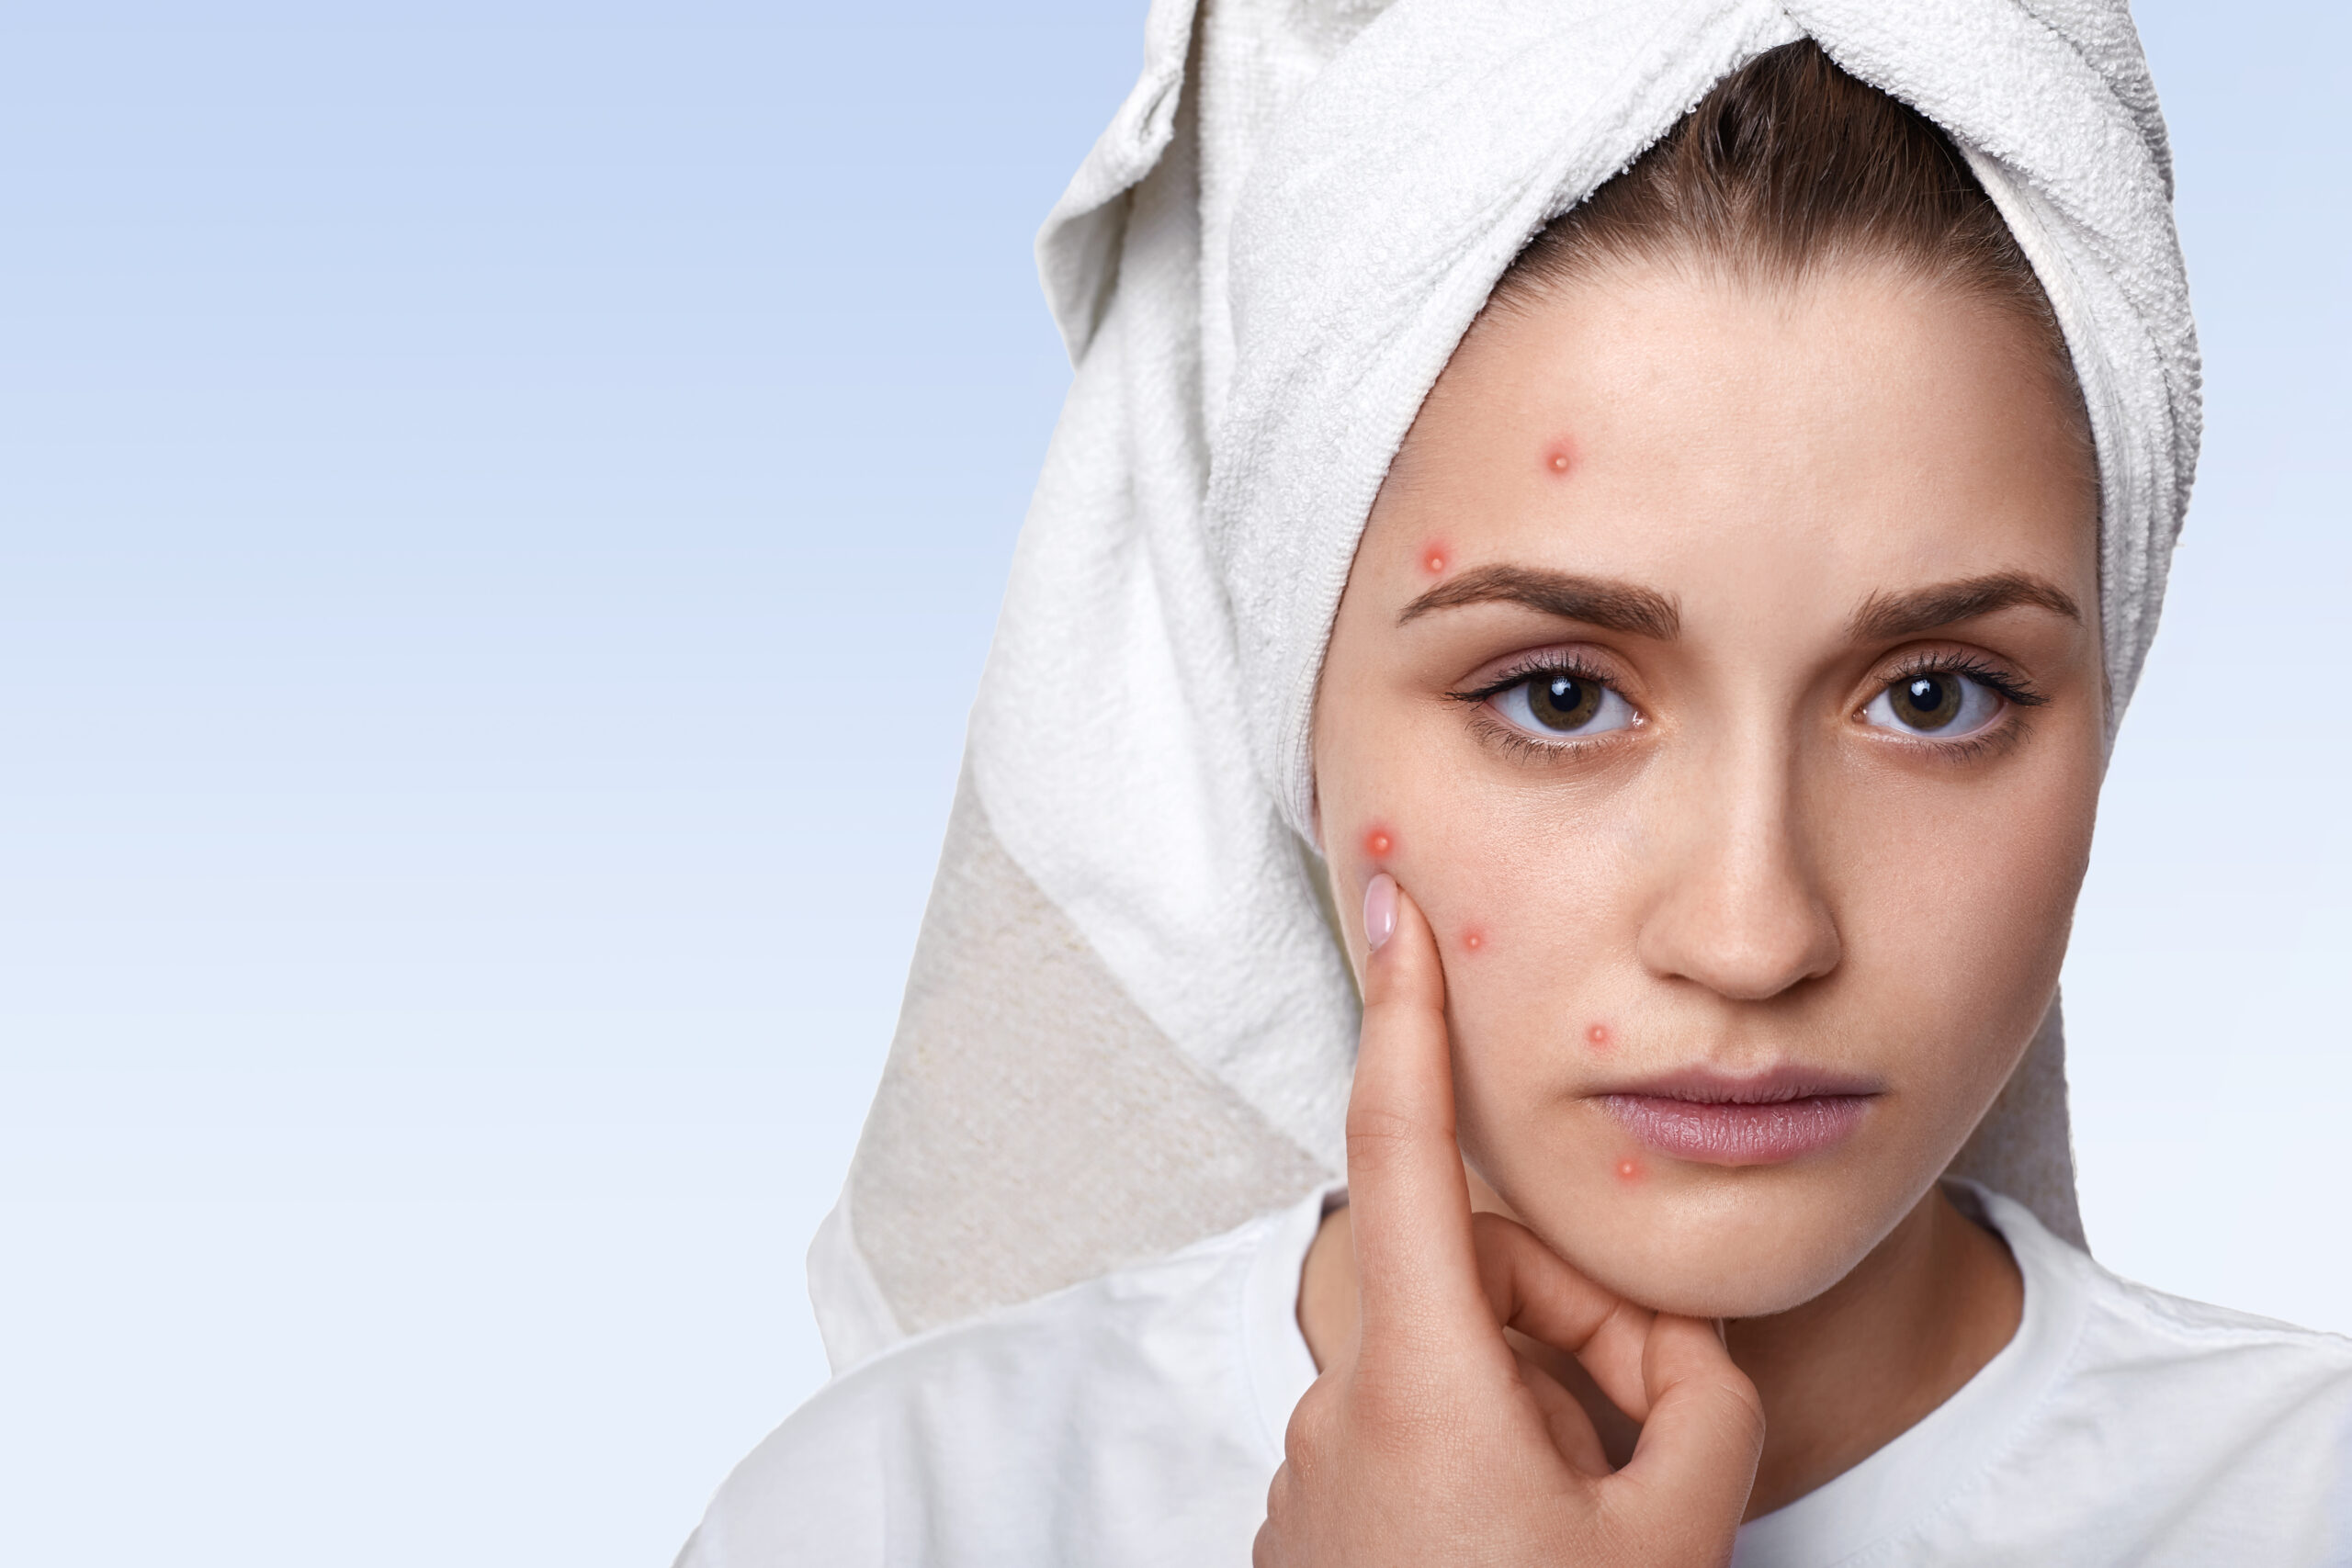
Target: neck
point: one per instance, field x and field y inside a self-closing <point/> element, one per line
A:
<point x="1840" y="1376"/>
<point x="1861" y="1363"/>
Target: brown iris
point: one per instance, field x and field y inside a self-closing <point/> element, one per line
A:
<point x="1563" y="702"/>
<point x="1927" y="702"/>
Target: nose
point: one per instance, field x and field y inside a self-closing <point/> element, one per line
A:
<point x="1740" y="908"/>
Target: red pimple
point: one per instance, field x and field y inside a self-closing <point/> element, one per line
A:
<point x="1474" y="938"/>
<point x="1433" y="558"/>
<point x="1559" y="457"/>
<point x="1597" y="1035"/>
<point x="1377" y="843"/>
<point x="1629" y="1169"/>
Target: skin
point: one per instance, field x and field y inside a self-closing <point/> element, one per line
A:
<point x="1789" y="496"/>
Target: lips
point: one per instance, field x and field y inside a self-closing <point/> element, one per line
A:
<point x="1769" y="1119"/>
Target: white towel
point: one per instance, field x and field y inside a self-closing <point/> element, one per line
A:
<point x="1128" y="1024"/>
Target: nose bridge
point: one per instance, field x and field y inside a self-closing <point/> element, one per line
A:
<point x="1742" y="910"/>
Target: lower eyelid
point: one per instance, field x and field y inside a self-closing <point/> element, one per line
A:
<point x="1996" y="737"/>
<point x="1504" y="733"/>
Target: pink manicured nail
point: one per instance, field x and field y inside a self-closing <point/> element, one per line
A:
<point x="1379" y="910"/>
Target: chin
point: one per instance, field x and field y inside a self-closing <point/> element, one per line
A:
<point x="1702" y="1254"/>
<point x="1711" y="1286"/>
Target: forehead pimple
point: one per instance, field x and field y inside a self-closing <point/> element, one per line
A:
<point x="1433" y="558"/>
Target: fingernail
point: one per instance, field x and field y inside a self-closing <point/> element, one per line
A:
<point x="1379" y="910"/>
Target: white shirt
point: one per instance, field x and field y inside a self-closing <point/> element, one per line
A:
<point x="1139" y="1418"/>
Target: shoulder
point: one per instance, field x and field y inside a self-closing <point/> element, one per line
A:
<point x="2114" y="1327"/>
<point x="2187" y="1429"/>
<point x="2141" y="1343"/>
<point x="1122" y="1420"/>
<point x="2260" y="1410"/>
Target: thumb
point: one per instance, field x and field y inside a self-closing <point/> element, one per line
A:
<point x="1695" y="1462"/>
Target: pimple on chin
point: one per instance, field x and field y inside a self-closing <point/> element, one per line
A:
<point x="1629" y="1169"/>
<point x="1379" y="843"/>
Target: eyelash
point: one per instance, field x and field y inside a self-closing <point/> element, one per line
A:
<point x="1516" y="741"/>
<point x="1567" y="664"/>
<point x="2013" y="689"/>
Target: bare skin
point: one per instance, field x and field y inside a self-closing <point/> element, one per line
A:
<point x="1428" y="1439"/>
<point x="1916" y="1318"/>
<point x="1736" y="522"/>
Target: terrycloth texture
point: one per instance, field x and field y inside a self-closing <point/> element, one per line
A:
<point x="1129" y="1025"/>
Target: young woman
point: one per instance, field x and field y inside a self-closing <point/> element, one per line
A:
<point x="1671" y="663"/>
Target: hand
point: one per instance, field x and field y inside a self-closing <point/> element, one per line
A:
<point x="1430" y="1441"/>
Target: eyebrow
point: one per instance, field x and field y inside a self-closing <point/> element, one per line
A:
<point x="1618" y="607"/>
<point x="1886" y="616"/>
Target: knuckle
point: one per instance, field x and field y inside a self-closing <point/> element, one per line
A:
<point x="1395" y="1007"/>
<point x="1280" y="1498"/>
<point x="1309" y="1435"/>
<point x="1378" y="1135"/>
<point x="1741" y="1411"/>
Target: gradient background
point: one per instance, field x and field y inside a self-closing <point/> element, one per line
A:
<point x="503" y="508"/>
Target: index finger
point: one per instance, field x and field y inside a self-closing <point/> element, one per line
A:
<point x="1417" y="1263"/>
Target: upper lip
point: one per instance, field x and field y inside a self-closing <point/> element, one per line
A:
<point x="1775" y="1085"/>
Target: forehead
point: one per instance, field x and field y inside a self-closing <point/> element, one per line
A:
<point x="1685" y="427"/>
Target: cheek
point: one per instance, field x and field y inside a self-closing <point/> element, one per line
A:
<point x="1979" y="900"/>
<point x="1535" y="914"/>
<point x="1954" y="935"/>
<point x="1532" y="894"/>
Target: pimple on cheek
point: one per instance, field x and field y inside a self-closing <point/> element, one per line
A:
<point x="1597" y="1036"/>
<point x="1379" y="843"/>
<point x="1473" y="939"/>
<point x="1559" y="456"/>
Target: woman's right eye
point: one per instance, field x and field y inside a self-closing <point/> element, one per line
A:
<point x="1561" y="705"/>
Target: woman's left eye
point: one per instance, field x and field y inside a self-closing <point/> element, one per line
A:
<point x="1941" y="704"/>
<point x="1558" y="705"/>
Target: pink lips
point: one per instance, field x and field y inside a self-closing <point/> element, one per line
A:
<point x="1718" y="1120"/>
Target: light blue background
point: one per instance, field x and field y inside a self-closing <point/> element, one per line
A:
<point x="501" y="509"/>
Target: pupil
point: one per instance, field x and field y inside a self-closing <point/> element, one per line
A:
<point x="1563" y="702"/>
<point x="1933" y="703"/>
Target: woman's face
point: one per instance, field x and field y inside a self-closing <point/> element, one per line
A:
<point x="1720" y="672"/>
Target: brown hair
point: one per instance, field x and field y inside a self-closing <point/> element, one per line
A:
<point x="1789" y="168"/>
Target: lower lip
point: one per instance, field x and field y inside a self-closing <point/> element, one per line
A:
<point x="1718" y="1133"/>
